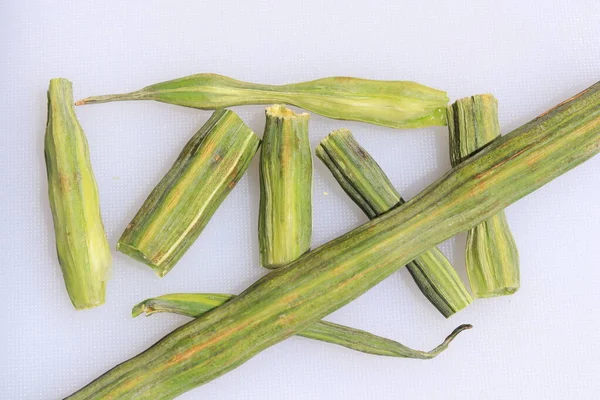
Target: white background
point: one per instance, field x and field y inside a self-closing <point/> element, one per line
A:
<point x="540" y="343"/>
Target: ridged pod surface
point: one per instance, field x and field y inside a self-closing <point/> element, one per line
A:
<point x="492" y="258"/>
<point x="83" y="251"/>
<point x="285" y="210"/>
<point x="365" y="182"/>
<point x="184" y="201"/>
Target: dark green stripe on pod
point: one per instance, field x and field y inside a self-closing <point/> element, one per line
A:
<point x="180" y="206"/>
<point x="292" y="298"/>
<point x="83" y="251"/>
<point x="492" y="258"/>
<point x="196" y="304"/>
<point x="285" y="215"/>
<point x="365" y="182"/>
<point x="397" y="104"/>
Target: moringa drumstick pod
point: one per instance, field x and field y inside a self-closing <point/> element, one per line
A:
<point x="180" y="206"/>
<point x="397" y="104"/>
<point x="285" y="210"/>
<point x="365" y="182"/>
<point x="290" y="299"/>
<point x="196" y="304"/>
<point x="492" y="258"/>
<point x="83" y="251"/>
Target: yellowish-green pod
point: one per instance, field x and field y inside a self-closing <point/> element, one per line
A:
<point x="285" y="213"/>
<point x="492" y="258"/>
<point x="83" y="251"/>
<point x="365" y="182"/>
<point x="180" y="206"/>
<point x="397" y="104"/>
<point x="292" y="298"/>
<point x="196" y="304"/>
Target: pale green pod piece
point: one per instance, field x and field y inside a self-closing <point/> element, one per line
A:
<point x="492" y="258"/>
<point x="397" y="104"/>
<point x="83" y="251"/>
<point x="364" y="181"/>
<point x="180" y="206"/>
<point x="196" y="304"/>
<point x="285" y="210"/>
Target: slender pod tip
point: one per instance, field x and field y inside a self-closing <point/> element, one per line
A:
<point x="435" y="352"/>
<point x="141" y="308"/>
<point x="137" y="95"/>
<point x="459" y="329"/>
<point x="456" y="332"/>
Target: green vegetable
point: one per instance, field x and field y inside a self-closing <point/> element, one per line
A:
<point x="397" y="104"/>
<point x="365" y="182"/>
<point x="285" y="217"/>
<point x="290" y="299"/>
<point x="196" y="304"/>
<point x="492" y="258"/>
<point x="83" y="251"/>
<point x="180" y="206"/>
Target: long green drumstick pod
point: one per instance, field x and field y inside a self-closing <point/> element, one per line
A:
<point x="196" y="304"/>
<point x="290" y="299"/>
<point x="365" y="182"/>
<point x="397" y="104"/>
<point x="180" y="206"/>
<point x="492" y="258"/>
<point x="285" y="211"/>
<point x="83" y="251"/>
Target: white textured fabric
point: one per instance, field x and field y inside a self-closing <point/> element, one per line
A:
<point x="540" y="343"/>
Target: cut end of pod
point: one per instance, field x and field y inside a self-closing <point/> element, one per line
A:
<point x="140" y="256"/>
<point x="87" y="301"/>
<point x="472" y="124"/>
<point x="358" y="173"/>
<point x="283" y="112"/>
<point x="438" y="281"/>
